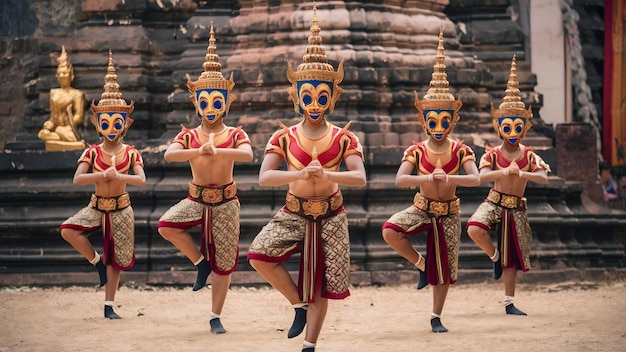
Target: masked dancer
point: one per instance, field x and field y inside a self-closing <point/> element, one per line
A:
<point x="435" y="208"/>
<point x="211" y="149"/>
<point x="113" y="165"/>
<point x="313" y="220"/>
<point x="509" y="166"/>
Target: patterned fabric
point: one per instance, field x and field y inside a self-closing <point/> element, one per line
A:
<point x="223" y="240"/>
<point x="119" y="238"/>
<point x="284" y="236"/>
<point x="94" y="157"/>
<point x="528" y="161"/>
<point x="514" y="235"/>
<point x="219" y="229"/>
<point x="118" y="228"/>
<point x="233" y="138"/>
<point x="297" y="149"/>
<point x="419" y="156"/>
<point x="442" y="244"/>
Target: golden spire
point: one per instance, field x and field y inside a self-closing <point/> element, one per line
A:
<point x="111" y="98"/>
<point x="438" y="96"/>
<point x="211" y="66"/>
<point x="512" y="97"/>
<point x="439" y="85"/>
<point x="512" y="104"/>
<point x="111" y="94"/>
<point x="315" y="57"/>
<point x="211" y="77"/>
<point x="64" y="61"/>
<point x="315" y="64"/>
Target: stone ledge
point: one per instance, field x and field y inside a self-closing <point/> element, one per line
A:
<point x="357" y="278"/>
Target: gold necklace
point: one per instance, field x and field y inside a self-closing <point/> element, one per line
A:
<point x="513" y="155"/>
<point x="434" y="151"/>
<point x="322" y="135"/>
<point x="121" y="148"/>
<point x="199" y="128"/>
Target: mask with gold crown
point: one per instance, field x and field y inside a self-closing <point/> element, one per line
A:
<point x="111" y="116"/>
<point x="315" y="84"/>
<point x="211" y="92"/>
<point x="512" y="120"/>
<point x="65" y="71"/>
<point x="438" y="110"/>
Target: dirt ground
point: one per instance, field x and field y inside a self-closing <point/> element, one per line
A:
<point x="561" y="317"/>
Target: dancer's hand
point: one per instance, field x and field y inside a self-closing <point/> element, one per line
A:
<point x="208" y="148"/>
<point x="314" y="169"/>
<point x="111" y="172"/>
<point x="438" y="174"/>
<point x="512" y="169"/>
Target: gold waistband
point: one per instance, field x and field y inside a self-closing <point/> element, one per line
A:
<point x="436" y="208"/>
<point x="314" y="207"/>
<point x="110" y="203"/>
<point x="506" y="200"/>
<point x="213" y="195"/>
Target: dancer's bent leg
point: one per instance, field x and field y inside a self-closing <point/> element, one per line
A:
<point x="277" y="275"/>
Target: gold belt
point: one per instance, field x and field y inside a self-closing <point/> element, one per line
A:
<point x="314" y="207"/>
<point x="436" y="208"/>
<point x="110" y="203"/>
<point x="506" y="200"/>
<point x="213" y="195"/>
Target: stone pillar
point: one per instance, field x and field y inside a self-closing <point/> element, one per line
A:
<point x="548" y="55"/>
<point x="577" y="157"/>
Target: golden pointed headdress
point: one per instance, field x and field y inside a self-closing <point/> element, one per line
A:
<point x="64" y="62"/>
<point x="111" y="99"/>
<point x="438" y="96"/>
<point x="315" y="64"/>
<point x="212" y="77"/>
<point x="512" y="104"/>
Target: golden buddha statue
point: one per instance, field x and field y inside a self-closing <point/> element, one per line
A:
<point x="67" y="106"/>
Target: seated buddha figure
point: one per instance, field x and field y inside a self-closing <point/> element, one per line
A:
<point x="67" y="107"/>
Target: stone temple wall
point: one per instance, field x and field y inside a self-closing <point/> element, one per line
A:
<point x="388" y="49"/>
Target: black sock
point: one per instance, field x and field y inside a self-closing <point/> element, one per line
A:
<point x="204" y="269"/>
<point x="422" y="281"/>
<point x="102" y="272"/>
<point x="497" y="269"/>
<point x="435" y="324"/>
<point x="216" y="326"/>
<point x="109" y="313"/>
<point x="299" y="321"/>
<point x="511" y="309"/>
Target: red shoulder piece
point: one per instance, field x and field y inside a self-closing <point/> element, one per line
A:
<point x="278" y="142"/>
<point x="89" y="154"/>
<point x="187" y="137"/>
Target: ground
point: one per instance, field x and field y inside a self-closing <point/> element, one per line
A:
<point x="570" y="316"/>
